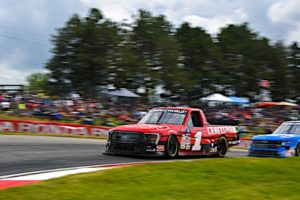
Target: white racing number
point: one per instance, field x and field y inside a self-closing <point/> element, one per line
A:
<point x="198" y="137"/>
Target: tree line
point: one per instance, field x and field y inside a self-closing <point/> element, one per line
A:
<point x="92" y="52"/>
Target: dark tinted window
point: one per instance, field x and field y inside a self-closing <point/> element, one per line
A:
<point x="195" y="115"/>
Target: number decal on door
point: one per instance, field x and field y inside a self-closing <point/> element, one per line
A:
<point x="185" y="143"/>
<point x="198" y="137"/>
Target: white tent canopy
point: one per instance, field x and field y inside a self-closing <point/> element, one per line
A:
<point x="216" y="97"/>
<point x="122" y="92"/>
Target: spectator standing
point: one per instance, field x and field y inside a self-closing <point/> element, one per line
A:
<point x="5" y="105"/>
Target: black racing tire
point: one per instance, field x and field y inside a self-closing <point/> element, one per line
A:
<point x="297" y="150"/>
<point x="222" y="147"/>
<point x="171" y="147"/>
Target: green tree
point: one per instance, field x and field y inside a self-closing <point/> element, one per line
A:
<point x="94" y="51"/>
<point x="280" y="89"/>
<point x="154" y="42"/>
<point x="126" y="66"/>
<point x="293" y="59"/>
<point x="82" y="51"/>
<point x="200" y="57"/>
<point x="246" y="59"/>
<point x="37" y="82"/>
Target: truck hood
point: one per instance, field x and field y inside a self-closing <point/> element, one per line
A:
<point x="281" y="137"/>
<point x="147" y="128"/>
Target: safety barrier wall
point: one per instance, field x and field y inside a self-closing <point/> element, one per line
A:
<point x="24" y="126"/>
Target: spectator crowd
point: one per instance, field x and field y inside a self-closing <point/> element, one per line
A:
<point x="108" y="111"/>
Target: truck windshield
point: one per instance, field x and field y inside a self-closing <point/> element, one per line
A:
<point x="175" y="116"/>
<point x="288" y="128"/>
<point x="283" y="129"/>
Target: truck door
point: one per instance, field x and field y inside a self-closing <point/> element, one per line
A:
<point x="195" y="125"/>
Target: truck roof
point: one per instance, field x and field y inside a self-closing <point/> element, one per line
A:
<point x="177" y="108"/>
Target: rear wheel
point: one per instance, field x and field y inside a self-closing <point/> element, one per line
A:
<point x="172" y="147"/>
<point x="297" y="150"/>
<point x="222" y="147"/>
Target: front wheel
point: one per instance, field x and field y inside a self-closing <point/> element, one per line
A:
<point x="297" y="150"/>
<point x="222" y="147"/>
<point x="172" y="147"/>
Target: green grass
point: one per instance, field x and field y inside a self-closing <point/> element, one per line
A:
<point x="225" y="179"/>
<point x="54" y="135"/>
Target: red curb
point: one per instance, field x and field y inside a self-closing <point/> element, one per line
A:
<point x="13" y="183"/>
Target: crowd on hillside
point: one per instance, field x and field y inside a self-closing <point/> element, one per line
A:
<point x="110" y="112"/>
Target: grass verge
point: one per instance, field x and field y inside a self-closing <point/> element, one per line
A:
<point x="226" y="179"/>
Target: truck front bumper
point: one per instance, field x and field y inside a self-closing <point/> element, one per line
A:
<point x="270" y="152"/>
<point x="137" y="149"/>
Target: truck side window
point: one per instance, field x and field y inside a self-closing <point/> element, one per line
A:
<point x="190" y="123"/>
<point x="195" y="116"/>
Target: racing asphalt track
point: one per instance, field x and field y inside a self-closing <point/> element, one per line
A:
<point x="20" y="154"/>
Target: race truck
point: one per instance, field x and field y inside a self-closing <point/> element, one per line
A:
<point x="172" y="131"/>
<point x="283" y="142"/>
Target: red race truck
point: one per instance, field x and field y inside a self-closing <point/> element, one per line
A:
<point x="172" y="131"/>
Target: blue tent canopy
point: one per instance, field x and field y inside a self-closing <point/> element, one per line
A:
<point x="239" y="100"/>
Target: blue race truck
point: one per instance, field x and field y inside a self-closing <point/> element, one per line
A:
<point x="283" y="142"/>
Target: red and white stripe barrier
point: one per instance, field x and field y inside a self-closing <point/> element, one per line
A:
<point x="24" y="126"/>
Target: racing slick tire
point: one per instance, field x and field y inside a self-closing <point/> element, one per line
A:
<point x="172" y="147"/>
<point x="297" y="150"/>
<point x="222" y="147"/>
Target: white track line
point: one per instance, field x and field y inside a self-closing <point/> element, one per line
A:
<point x="95" y="167"/>
<point x="55" y="173"/>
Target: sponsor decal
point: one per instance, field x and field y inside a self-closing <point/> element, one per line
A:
<point x="213" y="149"/>
<point x="185" y="142"/>
<point x="221" y="129"/>
<point x="147" y="126"/>
<point x="170" y="110"/>
<point x="53" y="128"/>
<point x="234" y="142"/>
<point x="160" y="148"/>
<point x="290" y="153"/>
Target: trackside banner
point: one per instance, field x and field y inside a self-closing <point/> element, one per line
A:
<point x="52" y="127"/>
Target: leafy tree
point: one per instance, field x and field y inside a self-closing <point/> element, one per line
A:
<point x="37" y="82"/>
<point x="293" y="59"/>
<point x="94" y="51"/>
<point x="154" y="42"/>
<point x="246" y="59"/>
<point x="82" y="52"/>
<point x="280" y="82"/>
<point x="200" y="58"/>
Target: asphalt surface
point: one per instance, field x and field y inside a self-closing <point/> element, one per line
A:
<point x="21" y="154"/>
